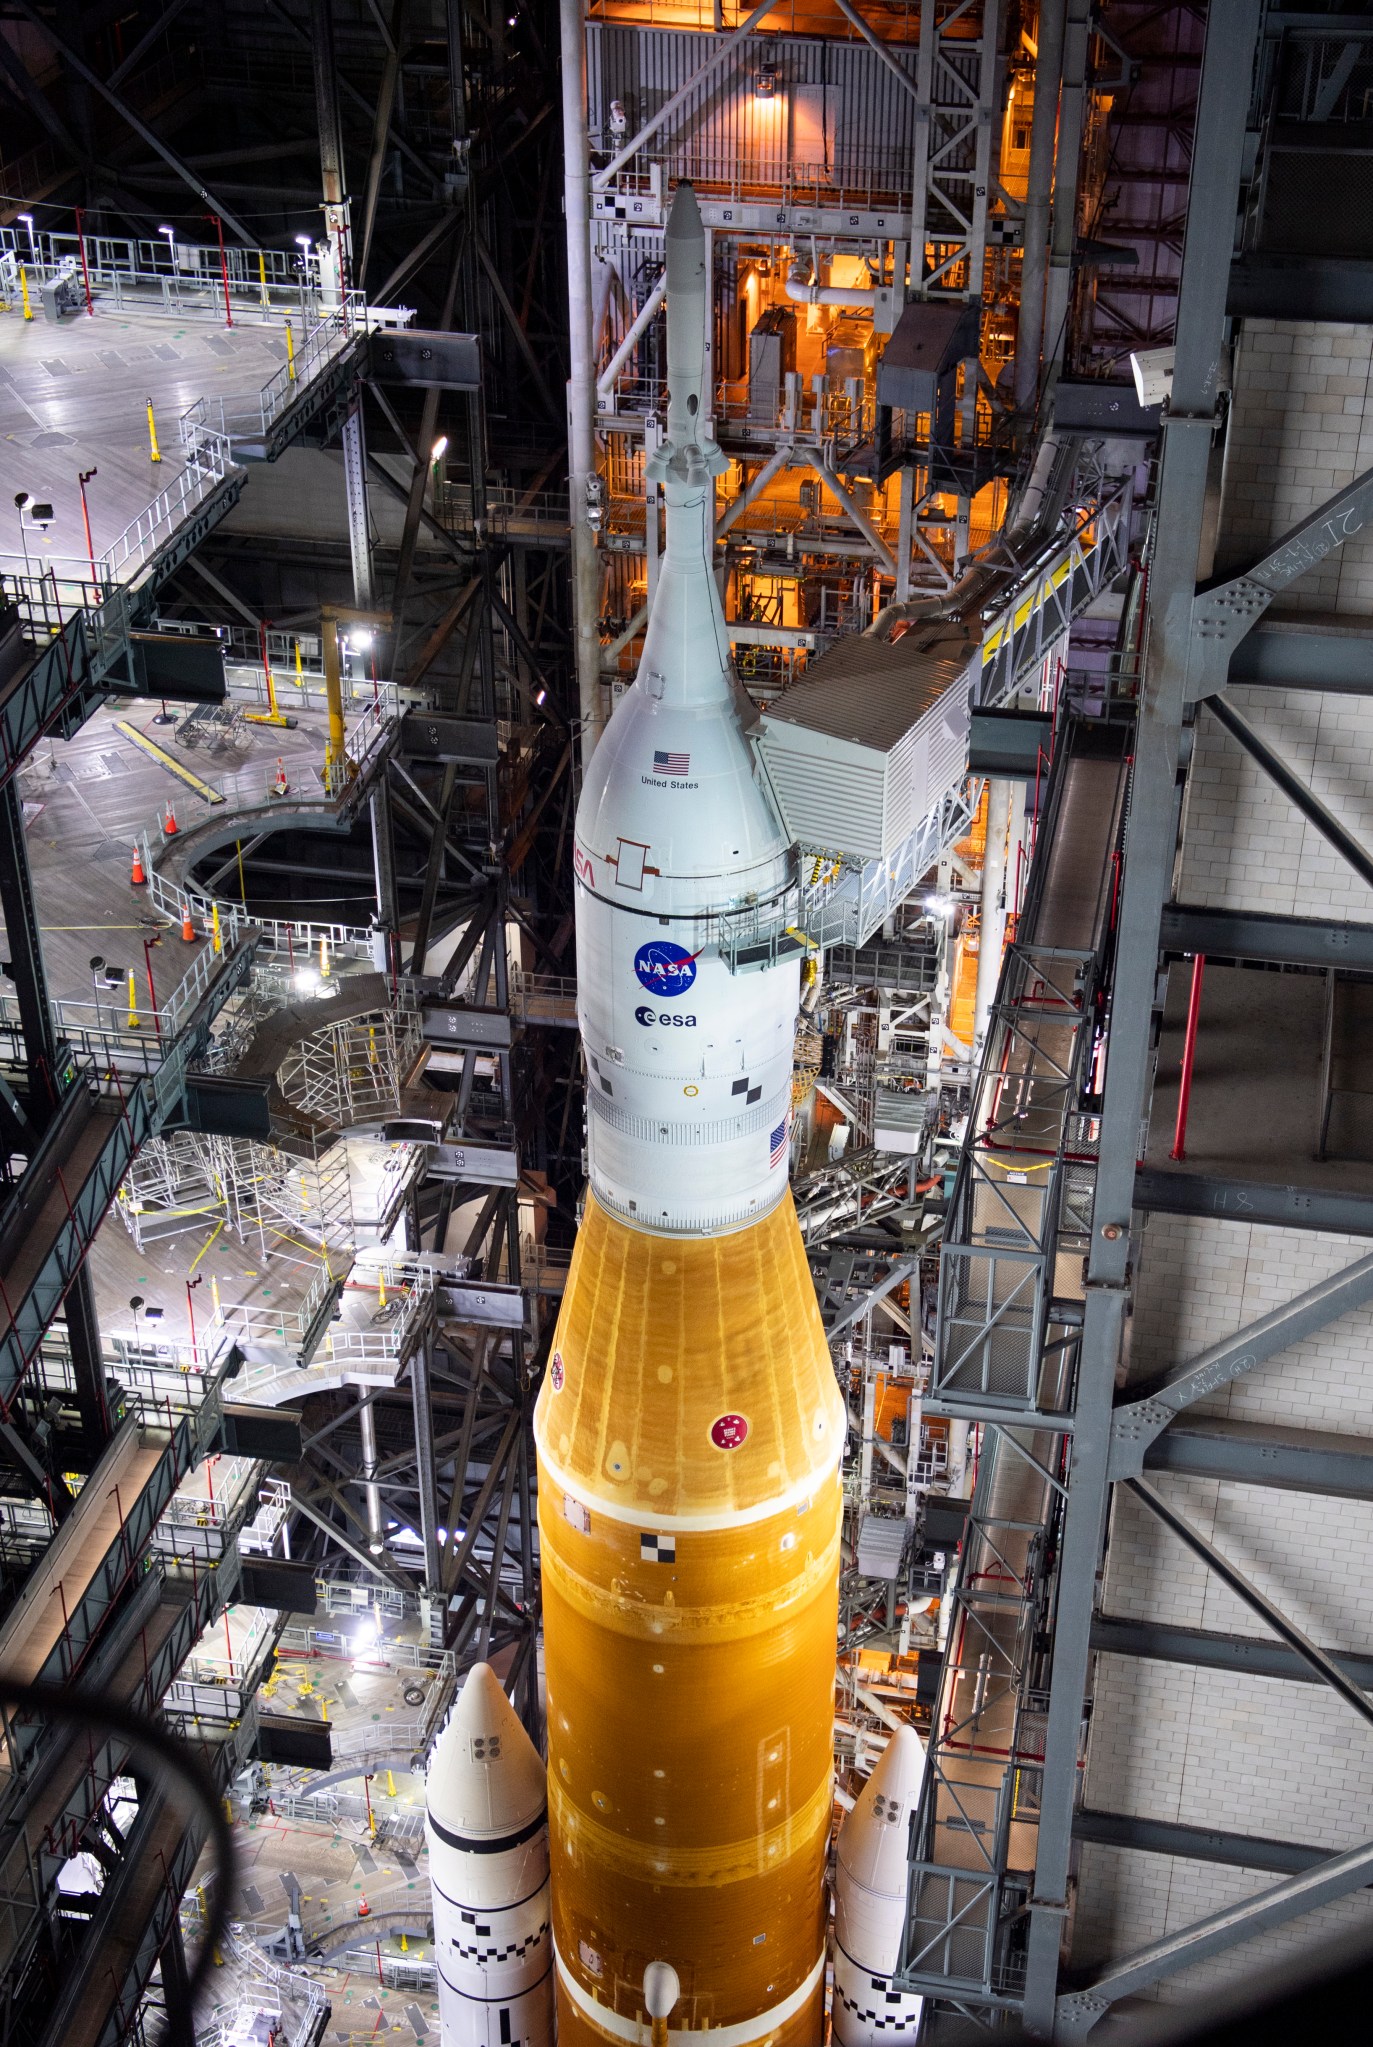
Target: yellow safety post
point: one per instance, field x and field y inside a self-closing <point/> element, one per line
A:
<point x="336" y="763"/>
<point x="262" y="277"/>
<point x="300" y="670"/>
<point x="24" y="293"/>
<point x="290" y="355"/>
<point x="381" y="1290"/>
<point x="333" y="700"/>
<point x="216" y="941"/>
<point x="153" y="448"/>
<point x="323" y="955"/>
<point x="133" y="1004"/>
<point x="404" y="1943"/>
<point x="214" y="1292"/>
<point x="390" y="1784"/>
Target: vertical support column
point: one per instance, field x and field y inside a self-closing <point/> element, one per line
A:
<point x="421" y="1369"/>
<point x="376" y="1530"/>
<point x="384" y="863"/>
<point x="581" y="388"/>
<point x="1072" y="107"/>
<point x="905" y="533"/>
<point x="1227" y="71"/>
<point x="88" y="1365"/>
<point x="359" y="512"/>
<point x="1029" y="334"/>
<point x="330" y="152"/>
<point x="992" y="929"/>
<point x="43" y="1050"/>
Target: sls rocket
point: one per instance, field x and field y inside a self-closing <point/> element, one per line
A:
<point x="870" y="1900"/>
<point x="486" y="1822"/>
<point x="689" y="1426"/>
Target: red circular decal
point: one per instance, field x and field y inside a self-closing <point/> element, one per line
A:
<point x="557" y="1374"/>
<point x="728" y="1432"/>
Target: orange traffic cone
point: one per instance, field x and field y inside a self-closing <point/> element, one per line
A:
<point x="363" y="1908"/>
<point x="170" y="826"/>
<point x="281" y="787"/>
<point x="138" y="879"/>
<point x="188" y="931"/>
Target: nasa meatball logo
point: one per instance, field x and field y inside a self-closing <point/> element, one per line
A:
<point x="664" y="968"/>
<point x="728" y="1432"/>
<point x="556" y="1372"/>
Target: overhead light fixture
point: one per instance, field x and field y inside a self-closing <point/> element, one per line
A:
<point x="305" y="242"/>
<point x="439" y="449"/>
<point x="765" y="84"/>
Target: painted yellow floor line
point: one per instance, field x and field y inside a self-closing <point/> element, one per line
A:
<point x="167" y="761"/>
<point x="204" y="1247"/>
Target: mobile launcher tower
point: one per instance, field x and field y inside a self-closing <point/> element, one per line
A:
<point x="689" y="1427"/>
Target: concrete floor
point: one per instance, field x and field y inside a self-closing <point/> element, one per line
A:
<point x="88" y="798"/>
<point x="339" y="1869"/>
<point x="74" y="397"/>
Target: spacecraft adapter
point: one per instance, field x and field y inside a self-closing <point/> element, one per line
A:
<point x="870" y="1900"/>
<point x="486" y="1822"/>
<point x="689" y="1426"/>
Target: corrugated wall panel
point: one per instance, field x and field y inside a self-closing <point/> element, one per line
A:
<point x="864" y="128"/>
<point x="826" y="800"/>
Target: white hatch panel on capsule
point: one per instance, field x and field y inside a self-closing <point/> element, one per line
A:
<point x="871" y="1870"/>
<point x="487" y="1833"/>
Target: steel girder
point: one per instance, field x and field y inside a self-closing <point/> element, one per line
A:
<point x="1138" y="1423"/>
<point x="1333" y="1877"/>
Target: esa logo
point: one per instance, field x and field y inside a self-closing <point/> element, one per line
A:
<point x="664" y="968"/>
<point x="670" y="1019"/>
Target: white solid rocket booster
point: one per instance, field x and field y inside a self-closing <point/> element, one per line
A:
<point x="870" y="1900"/>
<point x="486" y="1822"/>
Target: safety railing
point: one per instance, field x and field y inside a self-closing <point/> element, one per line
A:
<point x="863" y="182"/>
<point x="138" y="1046"/>
<point x="543" y="998"/>
<point x="297" y="1329"/>
<point x="335" y="330"/>
<point x="298" y="942"/>
<point x="46" y="597"/>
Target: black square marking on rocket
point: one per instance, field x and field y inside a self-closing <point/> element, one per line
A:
<point x="740" y="1087"/>
<point x="505" y="2026"/>
<point x="606" y="1085"/>
<point x="658" y="1549"/>
<point x="755" y="1094"/>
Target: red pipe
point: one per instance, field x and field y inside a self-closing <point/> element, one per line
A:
<point x="1189" y="1053"/>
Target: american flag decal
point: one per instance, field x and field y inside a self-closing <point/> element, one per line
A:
<point x="778" y="1143"/>
<point x="672" y="763"/>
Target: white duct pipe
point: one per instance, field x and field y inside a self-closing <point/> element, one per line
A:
<point x="803" y="293"/>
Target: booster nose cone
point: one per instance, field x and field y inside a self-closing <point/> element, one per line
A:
<point x="870" y="1900"/>
<point x="487" y="1832"/>
<point x="872" y="1843"/>
<point x="485" y="1780"/>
